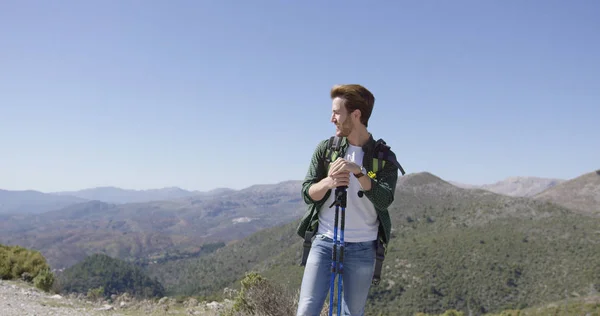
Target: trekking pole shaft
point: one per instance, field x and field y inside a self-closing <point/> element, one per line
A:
<point x="341" y="195"/>
<point x="333" y="262"/>
<point x="341" y="262"/>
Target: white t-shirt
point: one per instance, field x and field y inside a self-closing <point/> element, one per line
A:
<point x="361" y="223"/>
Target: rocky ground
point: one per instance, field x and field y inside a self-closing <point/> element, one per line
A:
<point x="21" y="299"/>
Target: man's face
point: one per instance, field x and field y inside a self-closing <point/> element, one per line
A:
<point x="340" y="118"/>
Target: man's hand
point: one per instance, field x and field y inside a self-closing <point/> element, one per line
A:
<point x="339" y="173"/>
<point x="343" y="165"/>
<point x="338" y="180"/>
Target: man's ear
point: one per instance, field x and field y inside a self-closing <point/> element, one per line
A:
<point x="356" y="114"/>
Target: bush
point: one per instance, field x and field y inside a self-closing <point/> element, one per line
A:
<point x="95" y="294"/>
<point x="28" y="265"/>
<point x="44" y="280"/>
<point x="511" y="313"/>
<point x="450" y="312"/>
<point x="453" y="312"/>
<point x="261" y="297"/>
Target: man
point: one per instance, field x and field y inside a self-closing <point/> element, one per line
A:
<point x="368" y="199"/>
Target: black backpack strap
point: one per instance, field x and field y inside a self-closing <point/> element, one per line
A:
<point x="379" y="257"/>
<point x="333" y="145"/>
<point x="306" y="245"/>
<point x="383" y="153"/>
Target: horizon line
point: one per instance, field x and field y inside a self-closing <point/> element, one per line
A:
<point x="269" y="183"/>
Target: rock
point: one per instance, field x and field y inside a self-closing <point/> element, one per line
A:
<point x="192" y="302"/>
<point x="214" y="305"/>
<point x="125" y="297"/>
<point x="27" y="277"/>
<point x="56" y="296"/>
<point x="230" y="293"/>
<point x="105" y="308"/>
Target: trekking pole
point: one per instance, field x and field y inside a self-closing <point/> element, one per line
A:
<point x="340" y="202"/>
<point x="333" y="260"/>
<point x="341" y="264"/>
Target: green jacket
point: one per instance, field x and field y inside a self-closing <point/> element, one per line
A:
<point x="381" y="194"/>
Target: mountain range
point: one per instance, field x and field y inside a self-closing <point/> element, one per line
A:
<point x="516" y="186"/>
<point x="469" y="248"/>
<point x="35" y="202"/>
<point x="580" y="194"/>
<point x="151" y="229"/>
<point x="118" y="195"/>
<point x="71" y="225"/>
<point x="452" y="248"/>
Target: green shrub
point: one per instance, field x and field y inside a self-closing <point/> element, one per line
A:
<point x="28" y="265"/>
<point x="96" y="293"/>
<point x="453" y="312"/>
<point x="4" y="265"/>
<point x="259" y="296"/>
<point x="511" y="313"/>
<point x="44" y="280"/>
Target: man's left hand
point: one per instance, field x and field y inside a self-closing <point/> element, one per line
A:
<point x="349" y="166"/>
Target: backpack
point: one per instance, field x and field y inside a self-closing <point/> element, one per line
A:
<point x="381" y="148"/>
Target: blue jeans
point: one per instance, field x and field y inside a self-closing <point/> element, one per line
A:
<point x="359" y="264"/>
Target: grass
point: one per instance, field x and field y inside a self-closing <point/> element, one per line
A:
<point x="584" y="306"/>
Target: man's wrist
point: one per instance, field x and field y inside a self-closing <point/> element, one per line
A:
<point x="360" y="172"/>
<point x="366" y="183"/>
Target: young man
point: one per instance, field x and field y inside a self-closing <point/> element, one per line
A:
<point x="366" y="216"/>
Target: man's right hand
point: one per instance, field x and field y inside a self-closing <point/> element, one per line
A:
<point x="338" y="180"/>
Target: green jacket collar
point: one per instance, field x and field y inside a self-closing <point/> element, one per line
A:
<point x="367" y="147"/>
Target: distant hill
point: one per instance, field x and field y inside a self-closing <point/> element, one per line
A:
<point x="153" y="230"/>
<point x="452" y="248"/>
<point x="33" y="202"/>
<point x="581" y="193"/>
<point x="516" y="186"/>
<point x="118" y="195"/>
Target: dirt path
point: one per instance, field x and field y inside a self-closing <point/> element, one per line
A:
<point x="19" y="299"/>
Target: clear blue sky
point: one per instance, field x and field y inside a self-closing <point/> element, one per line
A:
<point x="147" y="94"/>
